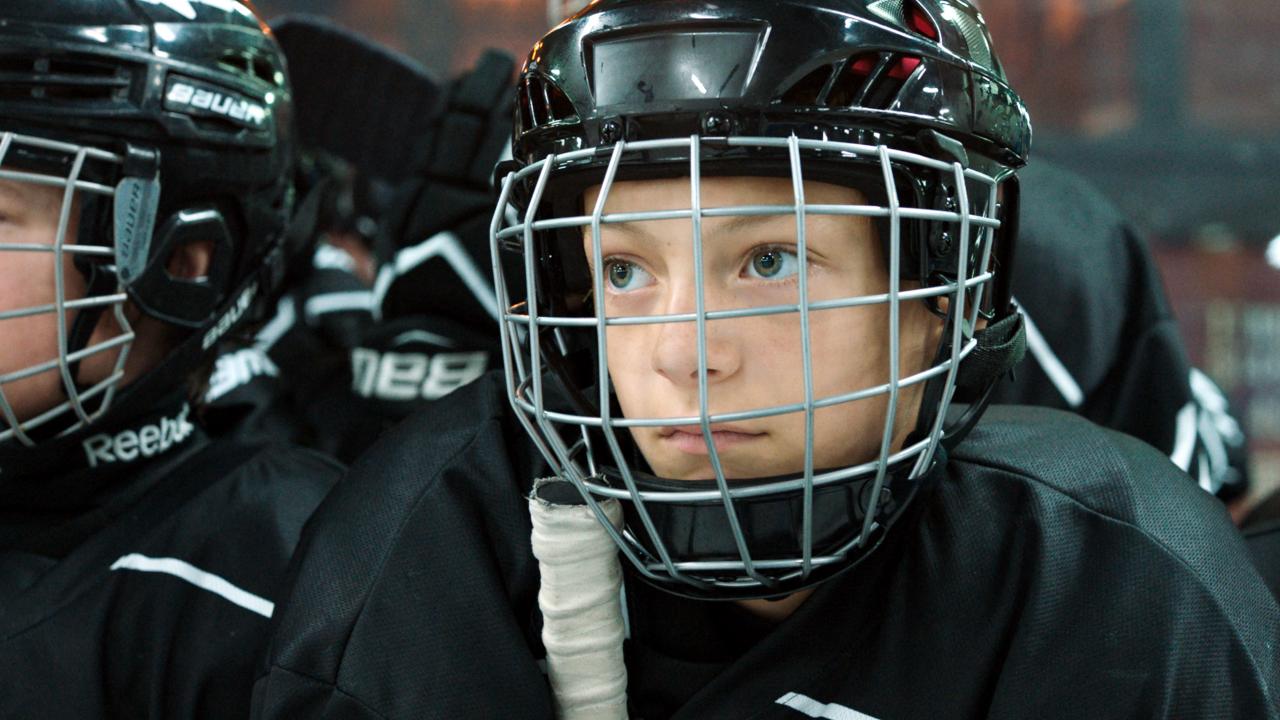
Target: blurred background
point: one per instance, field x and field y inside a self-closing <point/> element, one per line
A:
<point x="1171" y="107"/>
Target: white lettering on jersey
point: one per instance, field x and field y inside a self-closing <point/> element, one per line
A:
<point x="410" y="376"/>
<point x="231" y="317"/>
<point x="237" y="369"/>
<point x="146" y="441"/>
<point x="1205" y="431"/>
<point x="814" y="709"/>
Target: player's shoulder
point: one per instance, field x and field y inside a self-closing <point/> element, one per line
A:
<point x="267" y="472"/>
<point x="1067" y="455"/>
<point x="1064" y="213"/>
<point x="461" y="449"/>
<point x="472" y="421"/>
<point x="1054" y="463"/>
<point x="436" y="504"/>
<point x="1098" y="519"/>
<point x="249" y="505"/>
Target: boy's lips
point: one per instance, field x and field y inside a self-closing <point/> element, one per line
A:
<point x="689" y="438"/>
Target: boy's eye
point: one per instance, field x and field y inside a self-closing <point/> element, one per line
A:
<point x="773" y="264"/>
<point x="626" y="276"/>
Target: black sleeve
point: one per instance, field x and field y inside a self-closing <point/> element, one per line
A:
<point x="414" y="588"/>
<point x="201" y="651"/>
<point x="1264" y="547"/>
<point x="1141" y="600"/>
<point x="164" y="611"/>
<point x="1103" y="341"/>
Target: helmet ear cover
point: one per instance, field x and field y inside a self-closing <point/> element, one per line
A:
<point x="186" y="302"/>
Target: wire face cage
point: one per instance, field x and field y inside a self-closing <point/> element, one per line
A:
<point x="730" y="532"/>
<point x="86" y="178"/>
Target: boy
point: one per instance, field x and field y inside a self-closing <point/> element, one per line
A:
<point x="145" y="170"/>
<point x="762" y="244"/>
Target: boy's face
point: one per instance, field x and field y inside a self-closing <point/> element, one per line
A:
<point x="29" y="216"/>
<point x="753" y="362"/>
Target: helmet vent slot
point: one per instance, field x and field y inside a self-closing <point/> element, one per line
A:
<point x="561" y="106"/>
<point x="61" y="78"/>
<point x="919" y="21"/>
<point x="253" y="65"/>
<point x="538" y="102"/>
<point x="888" y="79"/>
<point x="852" y="80"/>
<point x="524" y="111"/>
<point x="807" y="91"/>
<point x="871" y="80"/>
<point x="541" y="102"/>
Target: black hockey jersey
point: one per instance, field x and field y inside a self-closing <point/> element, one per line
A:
<point x="342" y="362"/>
<point x="1264" y="546"/>
<point x="1262" y="535"/>
<point x="1057" y="570"/>
<point x="1102" y="340"/>
<point x="139" y="569"/>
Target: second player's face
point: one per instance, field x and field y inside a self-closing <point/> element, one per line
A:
<point x="752" y="362"/>
<point x="29" y="216"/>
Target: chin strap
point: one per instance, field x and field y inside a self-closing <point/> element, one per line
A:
<point x="1001" y="346"/>
<point x="581" y="603"/>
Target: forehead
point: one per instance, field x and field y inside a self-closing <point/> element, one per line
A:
<point x="29" y="193"/>
<point x="676" y="193"/>
<point x="642" y="196"/>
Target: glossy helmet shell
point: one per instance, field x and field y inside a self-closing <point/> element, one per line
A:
<point x="915" y="76"/>
<point x="203" y="86"/>
<point x="173" y="119"/>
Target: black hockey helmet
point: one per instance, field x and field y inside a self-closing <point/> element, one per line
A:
<point x="903" y="100"/>
<point x="170" y="122"/>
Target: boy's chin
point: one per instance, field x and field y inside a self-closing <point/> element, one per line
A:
<point x="733" y="471"/>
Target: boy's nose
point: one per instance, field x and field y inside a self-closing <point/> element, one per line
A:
<point x="675" y="349"/>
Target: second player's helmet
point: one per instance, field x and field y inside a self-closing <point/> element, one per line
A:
<point x="160" y="123"/>
<point x="903" y="100"/>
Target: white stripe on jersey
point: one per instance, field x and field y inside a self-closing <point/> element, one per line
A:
<point x="1184" y="437"/>
<point x="199" y="578"/>
<point x="446" y="245"/>
<point x="345" y="301"/>
<point x="284" y="319"/>
<point x="815" y="709"/>
<point x="1052" y="366"/>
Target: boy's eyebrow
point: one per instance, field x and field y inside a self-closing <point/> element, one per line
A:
<point x="738" y="223"/>
<point x="11" y="190"/>
<point x="729" y="226"/>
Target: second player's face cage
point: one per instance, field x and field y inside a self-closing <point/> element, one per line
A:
<point x="85" y="177"/>
<point x="726" y="537"/>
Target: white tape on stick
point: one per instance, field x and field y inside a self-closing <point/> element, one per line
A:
<point x="581" y="606"/>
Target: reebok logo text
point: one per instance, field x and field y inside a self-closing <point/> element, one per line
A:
<point x="146" y="441"/>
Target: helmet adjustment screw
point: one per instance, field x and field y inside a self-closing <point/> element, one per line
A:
<point x="942" y="244"/>
<point x="610" y="132"/>
<point x="717" y="123"/>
